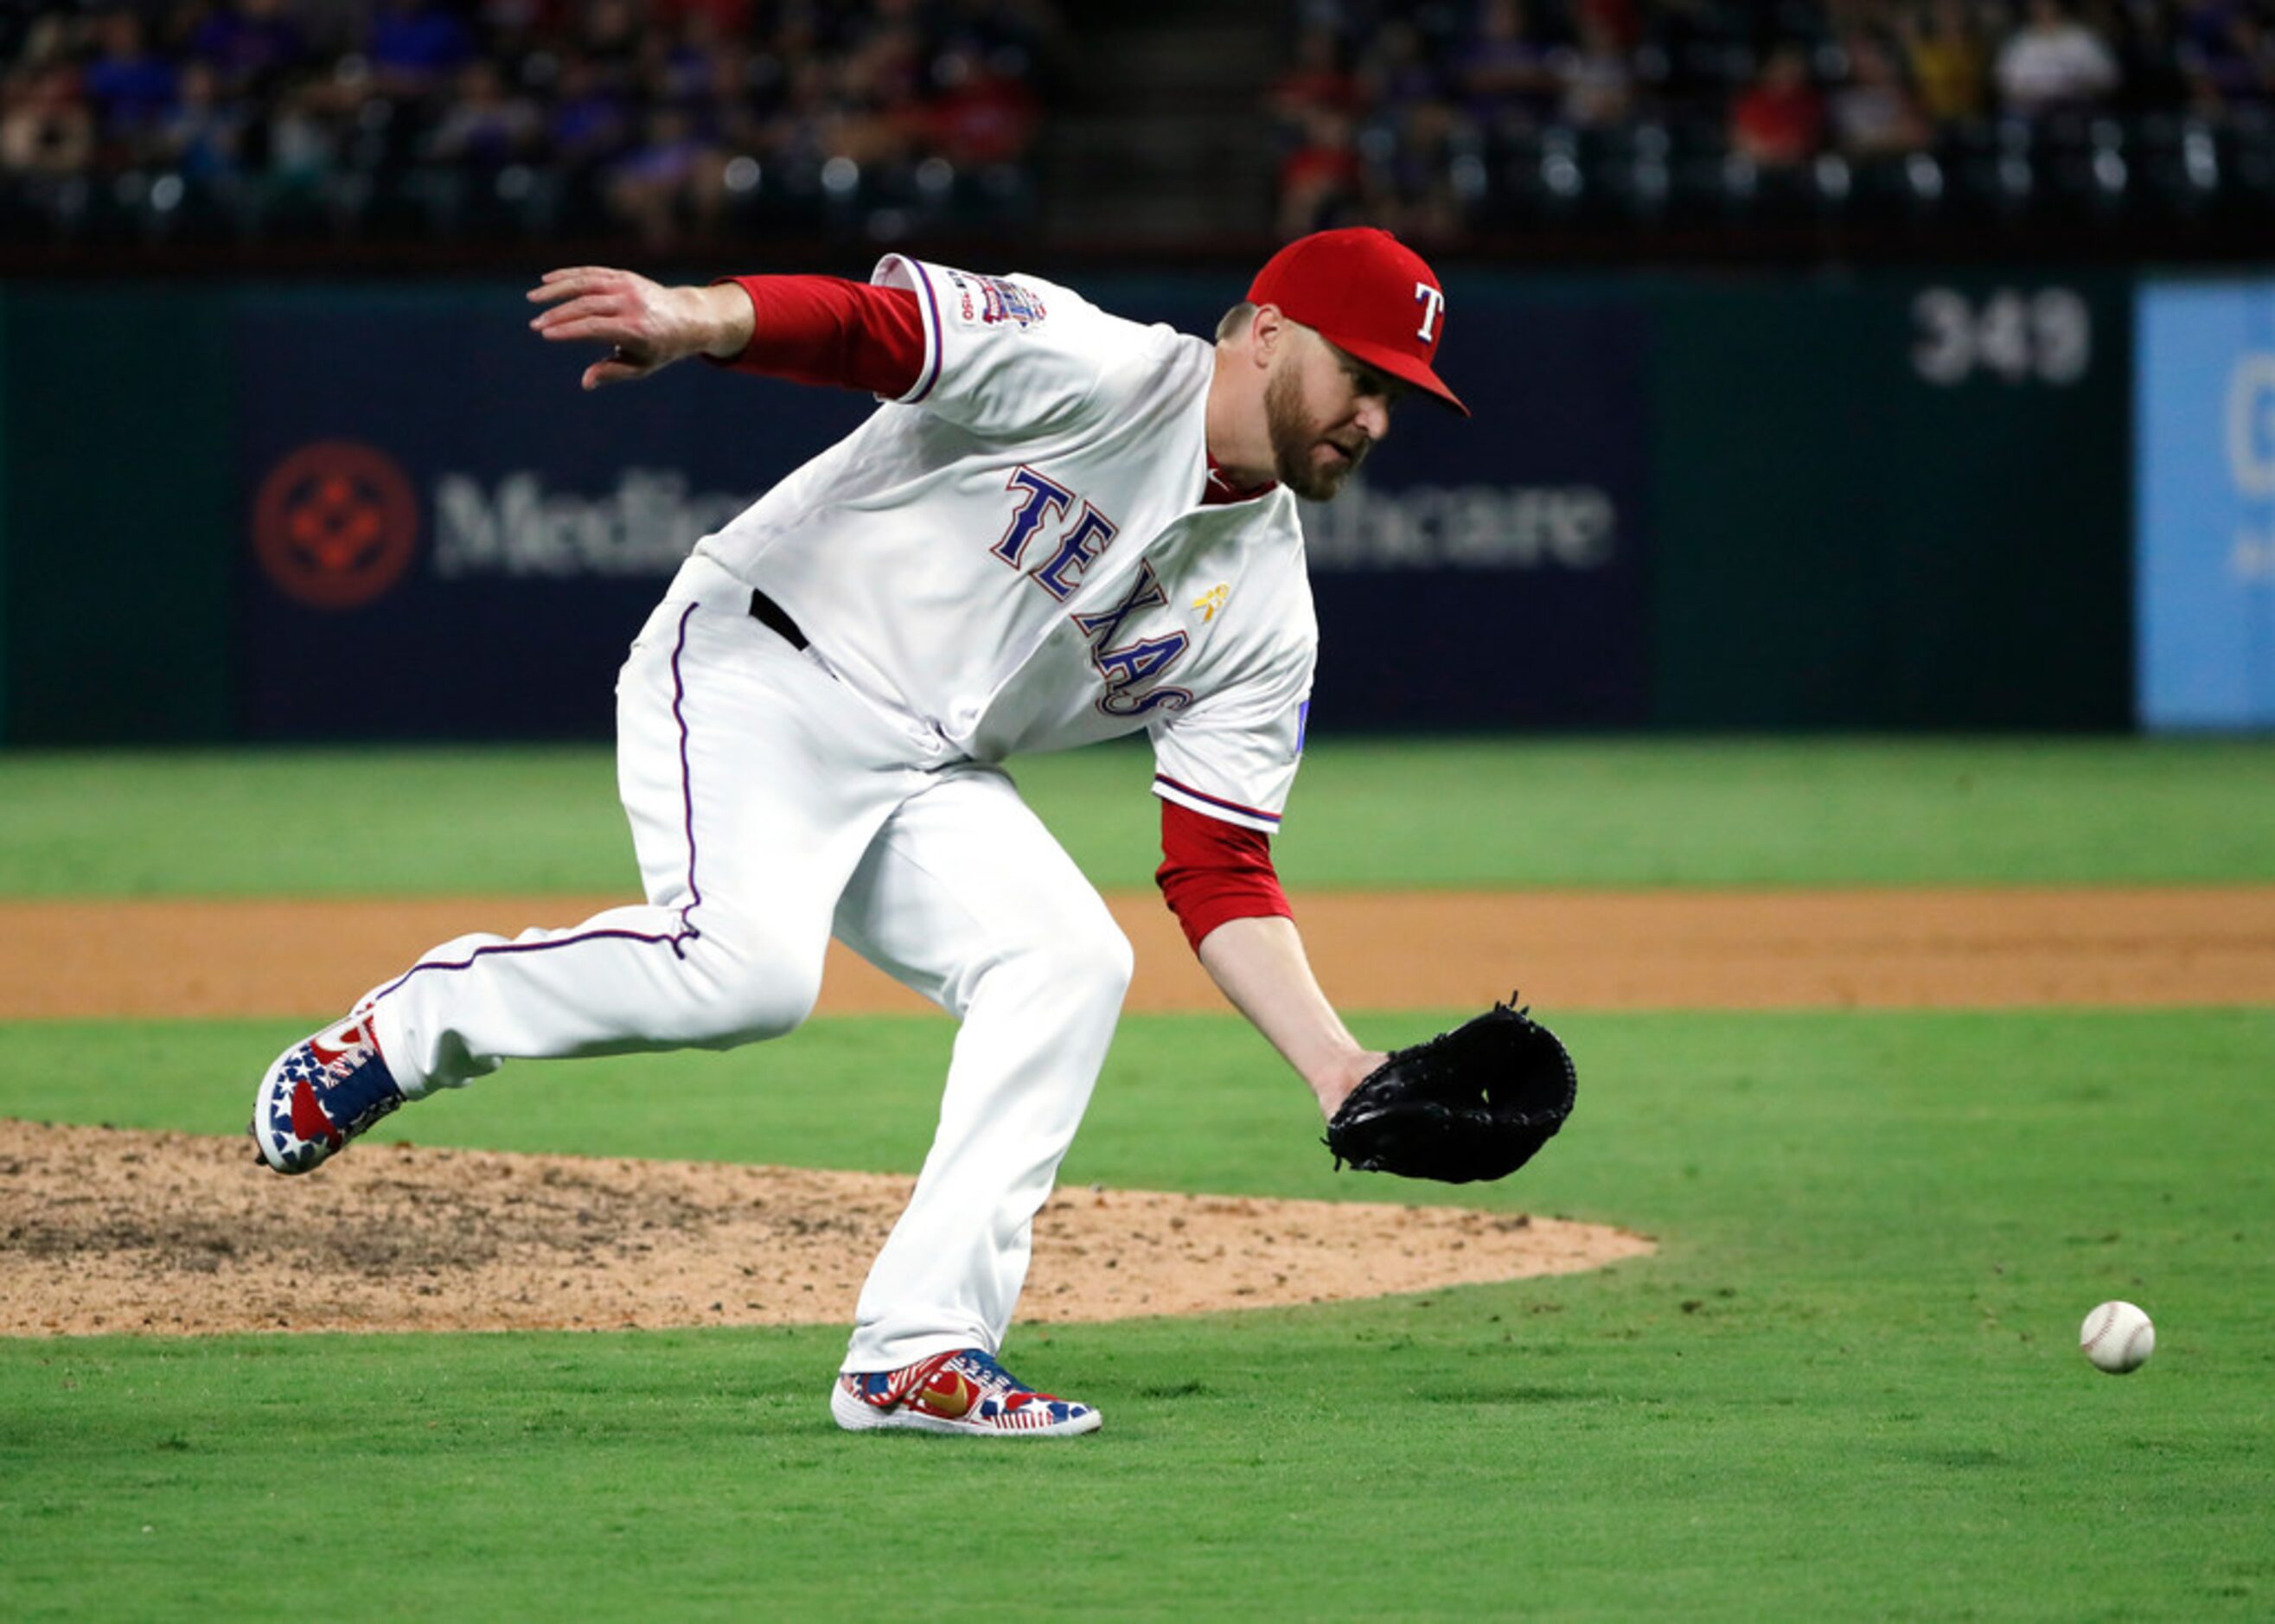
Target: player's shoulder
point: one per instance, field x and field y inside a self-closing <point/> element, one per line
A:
<point x="989" y="298"/>
<point x="1012" y="302"/>
<point x="1297" y="642"/>
<point x="1275" y="539"/>
<point x="1018" y="303"/>
<point x="1266" y="614"/>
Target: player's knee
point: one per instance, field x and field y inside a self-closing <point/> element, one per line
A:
<point x="775" y="999"/>
<point x="1115" y="961"/>
<point x="1074" y="964"/>
<point x="751" y="989"/>
<point x="768" y="1012"/>
<point x="1090" y="961"/>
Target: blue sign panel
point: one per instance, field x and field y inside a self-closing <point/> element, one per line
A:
<point x="1489" y="571"/>
<point x="1492" y="571"/>
<point x="2204" y="416"/>
<point x="446" y="536"/>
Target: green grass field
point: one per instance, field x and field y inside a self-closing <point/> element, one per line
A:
<point x="1597" y="813"/>
<point x="1846" y="1385"/>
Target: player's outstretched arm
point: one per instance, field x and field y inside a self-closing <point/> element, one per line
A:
<point x="645" y="325"/>
<point x="1260" y="965"/>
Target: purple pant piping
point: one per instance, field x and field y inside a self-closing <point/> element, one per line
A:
<point x="675" y="941"/>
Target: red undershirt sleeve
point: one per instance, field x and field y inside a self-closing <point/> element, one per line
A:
<point x="1213" y="872"/>
<point x="827" y="330"/>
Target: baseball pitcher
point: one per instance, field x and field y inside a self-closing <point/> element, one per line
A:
<point x="1059" y="526"/>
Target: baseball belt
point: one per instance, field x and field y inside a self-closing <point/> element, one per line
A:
<point x="770" y="614"/>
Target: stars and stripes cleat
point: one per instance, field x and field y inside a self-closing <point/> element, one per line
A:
<point x="964" y="1391"/>
<point x="321" y="1093"/>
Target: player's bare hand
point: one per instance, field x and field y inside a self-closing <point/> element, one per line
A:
<point x="645" y="325"/>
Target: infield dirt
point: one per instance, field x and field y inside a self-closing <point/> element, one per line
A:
<point x="1756" y="949"/>
<point x="167" y="1233"/>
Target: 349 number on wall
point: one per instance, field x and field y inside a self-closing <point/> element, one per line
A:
<point x="2042" y="338"/>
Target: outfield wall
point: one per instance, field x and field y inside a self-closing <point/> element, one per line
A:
<point x="368" y="511"/>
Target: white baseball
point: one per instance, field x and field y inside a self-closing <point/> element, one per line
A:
<point x="2117" y="1338"/>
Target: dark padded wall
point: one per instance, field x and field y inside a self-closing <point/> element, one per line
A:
<point x="118" y="479"/>
<point x="1893" y="502"/>
<point x="1898" y="500"/>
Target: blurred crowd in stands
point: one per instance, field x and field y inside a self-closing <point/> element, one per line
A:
<point x="265" y="119"/>
<point x="1449" y="120"/>
<point x="1441" y="118"/>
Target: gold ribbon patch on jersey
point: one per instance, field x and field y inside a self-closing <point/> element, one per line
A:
<point x="1210" y="601"/>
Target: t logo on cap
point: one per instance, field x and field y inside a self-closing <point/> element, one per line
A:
<point x="1433" y="306"/>
<point x="1349" y="286"/>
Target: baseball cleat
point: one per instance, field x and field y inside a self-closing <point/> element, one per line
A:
<point x="964" y="1391"/>
<point x="321" y="1093"/>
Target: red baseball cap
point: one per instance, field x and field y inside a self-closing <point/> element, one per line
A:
<point x="1369" y="295"/>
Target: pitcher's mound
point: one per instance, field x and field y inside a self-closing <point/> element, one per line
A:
<point x="113" y="1231"/>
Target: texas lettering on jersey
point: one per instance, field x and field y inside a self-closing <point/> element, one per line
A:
<point x="1126" y="667"/>
<point x="1041" y="499"/>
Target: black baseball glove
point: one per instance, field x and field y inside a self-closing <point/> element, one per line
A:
<point x="1473" y="1103"/>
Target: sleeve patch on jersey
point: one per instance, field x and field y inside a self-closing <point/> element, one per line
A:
<point x="1216" y="807"/>
<point x="992" y="300"/>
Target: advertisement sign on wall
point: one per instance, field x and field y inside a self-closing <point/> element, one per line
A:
<point x="446" y="537"/>
<point x="1495" y="572"/>
<point x="2205" y="556"/>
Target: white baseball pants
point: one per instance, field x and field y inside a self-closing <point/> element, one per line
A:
<point x="771" y="807"/>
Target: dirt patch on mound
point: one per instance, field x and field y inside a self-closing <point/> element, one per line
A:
<point x="113" y="1231"/>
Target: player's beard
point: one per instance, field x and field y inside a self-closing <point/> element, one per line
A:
<point x="1296" y="440"/>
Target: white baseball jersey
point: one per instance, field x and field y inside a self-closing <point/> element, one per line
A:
<point x="1015" y="557"/>
<point x="1016" y="554"/>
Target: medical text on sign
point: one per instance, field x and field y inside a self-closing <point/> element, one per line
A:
<point x="1516" y="527"/>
